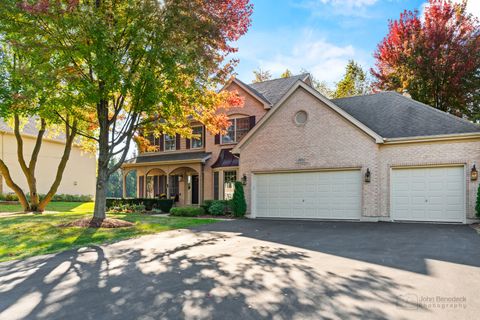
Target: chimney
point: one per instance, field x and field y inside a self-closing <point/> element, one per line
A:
<point x="406" y="94"/>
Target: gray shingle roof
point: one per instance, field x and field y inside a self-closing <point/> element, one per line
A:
<point x="31" y="128"/>
<point x="194" y="156"/>
<point x="391" y="115"/>
<point x="273" y="90"/>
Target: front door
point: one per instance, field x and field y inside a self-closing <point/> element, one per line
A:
<point x="194" y="189"/>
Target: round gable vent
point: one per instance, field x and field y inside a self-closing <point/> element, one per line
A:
<point x="301" y="117"/>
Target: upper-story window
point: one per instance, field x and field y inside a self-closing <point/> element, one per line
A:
<point x="197" y="142"/>
<point x="170" y="142"/>
<point x="238" y="128"/>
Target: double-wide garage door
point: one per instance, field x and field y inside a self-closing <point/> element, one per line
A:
<point x="309" y="195"/>
<point x="428" y="194"/>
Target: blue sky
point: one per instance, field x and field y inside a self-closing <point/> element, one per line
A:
<point x="317" y="35"/>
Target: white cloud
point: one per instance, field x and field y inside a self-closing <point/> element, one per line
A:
<point x="295" y="51"/>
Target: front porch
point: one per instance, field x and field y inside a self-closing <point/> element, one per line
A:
<point x="162" y="177"/>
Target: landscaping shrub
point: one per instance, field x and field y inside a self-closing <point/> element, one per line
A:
<point x="128" y="208"/>
<point x="8" y="197"/>
<point x="187" y="211"/>
<point x="162" y="204"/>
<point x="55" y="198"/>
<point x="70" y="198"/>
<point x="238" y="203"/>
<point x="217" y="208"/>
<point x="206" y="205"/>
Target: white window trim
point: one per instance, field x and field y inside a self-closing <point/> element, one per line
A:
<point x="165" y="143"/>
<point x="201" y="139"/>
<point x="223" y="180"/>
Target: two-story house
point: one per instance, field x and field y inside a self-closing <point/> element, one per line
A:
<point x="193" y="170"/>
<point x="377" y="157"/>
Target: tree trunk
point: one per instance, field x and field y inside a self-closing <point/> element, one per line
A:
<point x="103" y="160"/>
<point x="70" y="137"/>
<point x="29" y="171"/>
<point x="18" y="191"/>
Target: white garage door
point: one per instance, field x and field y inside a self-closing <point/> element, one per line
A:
<point x="428" y="194"/>
<point x="321" y="195"/>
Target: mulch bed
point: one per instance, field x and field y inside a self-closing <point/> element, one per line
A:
<point x="476" y="226"/>
<point x="98" y="223"/>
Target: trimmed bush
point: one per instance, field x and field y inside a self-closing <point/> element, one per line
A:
<point x="206" y="205"/>
<point x="187" y="211"/>
<point x="217" y="208"/>
<point x="162" y="204"/>
<point x="238" y="203"/>
<point x="55" y="198"/>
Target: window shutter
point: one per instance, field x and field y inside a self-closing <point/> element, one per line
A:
<point x="217" y="139"/>
<point x="204" y="134"/>
<point x="161" y="143"/>
<point x="187" y="143"/>
<point x="252" y="122"/>
<point x="177" y="141"/>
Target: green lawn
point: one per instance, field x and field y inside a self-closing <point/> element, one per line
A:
<point x="24" y="236"/>
<point x="78" y="207"/>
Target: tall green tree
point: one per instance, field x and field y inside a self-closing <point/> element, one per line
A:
<point x="353" y="83"/>
<point x="437" y="58"/>
<point x="132" y="64"/>
<point x="261" y="75"/>
<point x="28" y="93"/>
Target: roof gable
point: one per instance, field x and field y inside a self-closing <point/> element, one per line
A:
<point x="300" y="84"/>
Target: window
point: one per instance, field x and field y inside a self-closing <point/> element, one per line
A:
<point x="197" y="142"/>
<point x="173" y="186"/>
<point x="170" y="143"/>
<point x="229" y="178"/>
<point x="238" y="128"/>
<point x="154" y="143"/>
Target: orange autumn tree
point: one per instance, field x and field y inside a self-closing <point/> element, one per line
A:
<point x="133" y="63"/>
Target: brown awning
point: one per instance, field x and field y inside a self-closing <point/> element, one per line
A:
<point x="226" y="159"/>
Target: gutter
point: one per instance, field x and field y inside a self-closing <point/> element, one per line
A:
<point x="440" y="137"/>
<point x="155" y="163"/>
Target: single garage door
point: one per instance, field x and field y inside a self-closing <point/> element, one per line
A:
<point x="310" y="195"/>
<point x="428" y="194"/>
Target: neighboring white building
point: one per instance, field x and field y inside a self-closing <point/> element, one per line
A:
<point x="78" y="178"/>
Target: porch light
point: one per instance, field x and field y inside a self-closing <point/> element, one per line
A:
<point x="474" y="173"/>
<point x="244" y="179"/>
<point x="368" y="175"/>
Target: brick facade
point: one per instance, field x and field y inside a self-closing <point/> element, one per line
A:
<point x="329" y="141"/>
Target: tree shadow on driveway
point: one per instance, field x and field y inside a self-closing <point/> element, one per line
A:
<point x="404" y="246"/>
<point x="205" y="278"/>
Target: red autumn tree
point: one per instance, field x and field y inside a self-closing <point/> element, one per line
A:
<point x="437" y="58"/>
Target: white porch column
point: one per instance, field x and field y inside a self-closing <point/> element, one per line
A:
<point x="124" y="184"/>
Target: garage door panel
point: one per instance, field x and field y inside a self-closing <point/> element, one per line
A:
<point x="428" y="194"/>
<point x="335" y="195"/>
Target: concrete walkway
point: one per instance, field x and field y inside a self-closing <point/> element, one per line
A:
<point x="249" y="269"/>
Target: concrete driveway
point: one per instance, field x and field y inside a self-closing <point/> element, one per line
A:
<point x="257" y="269"/>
